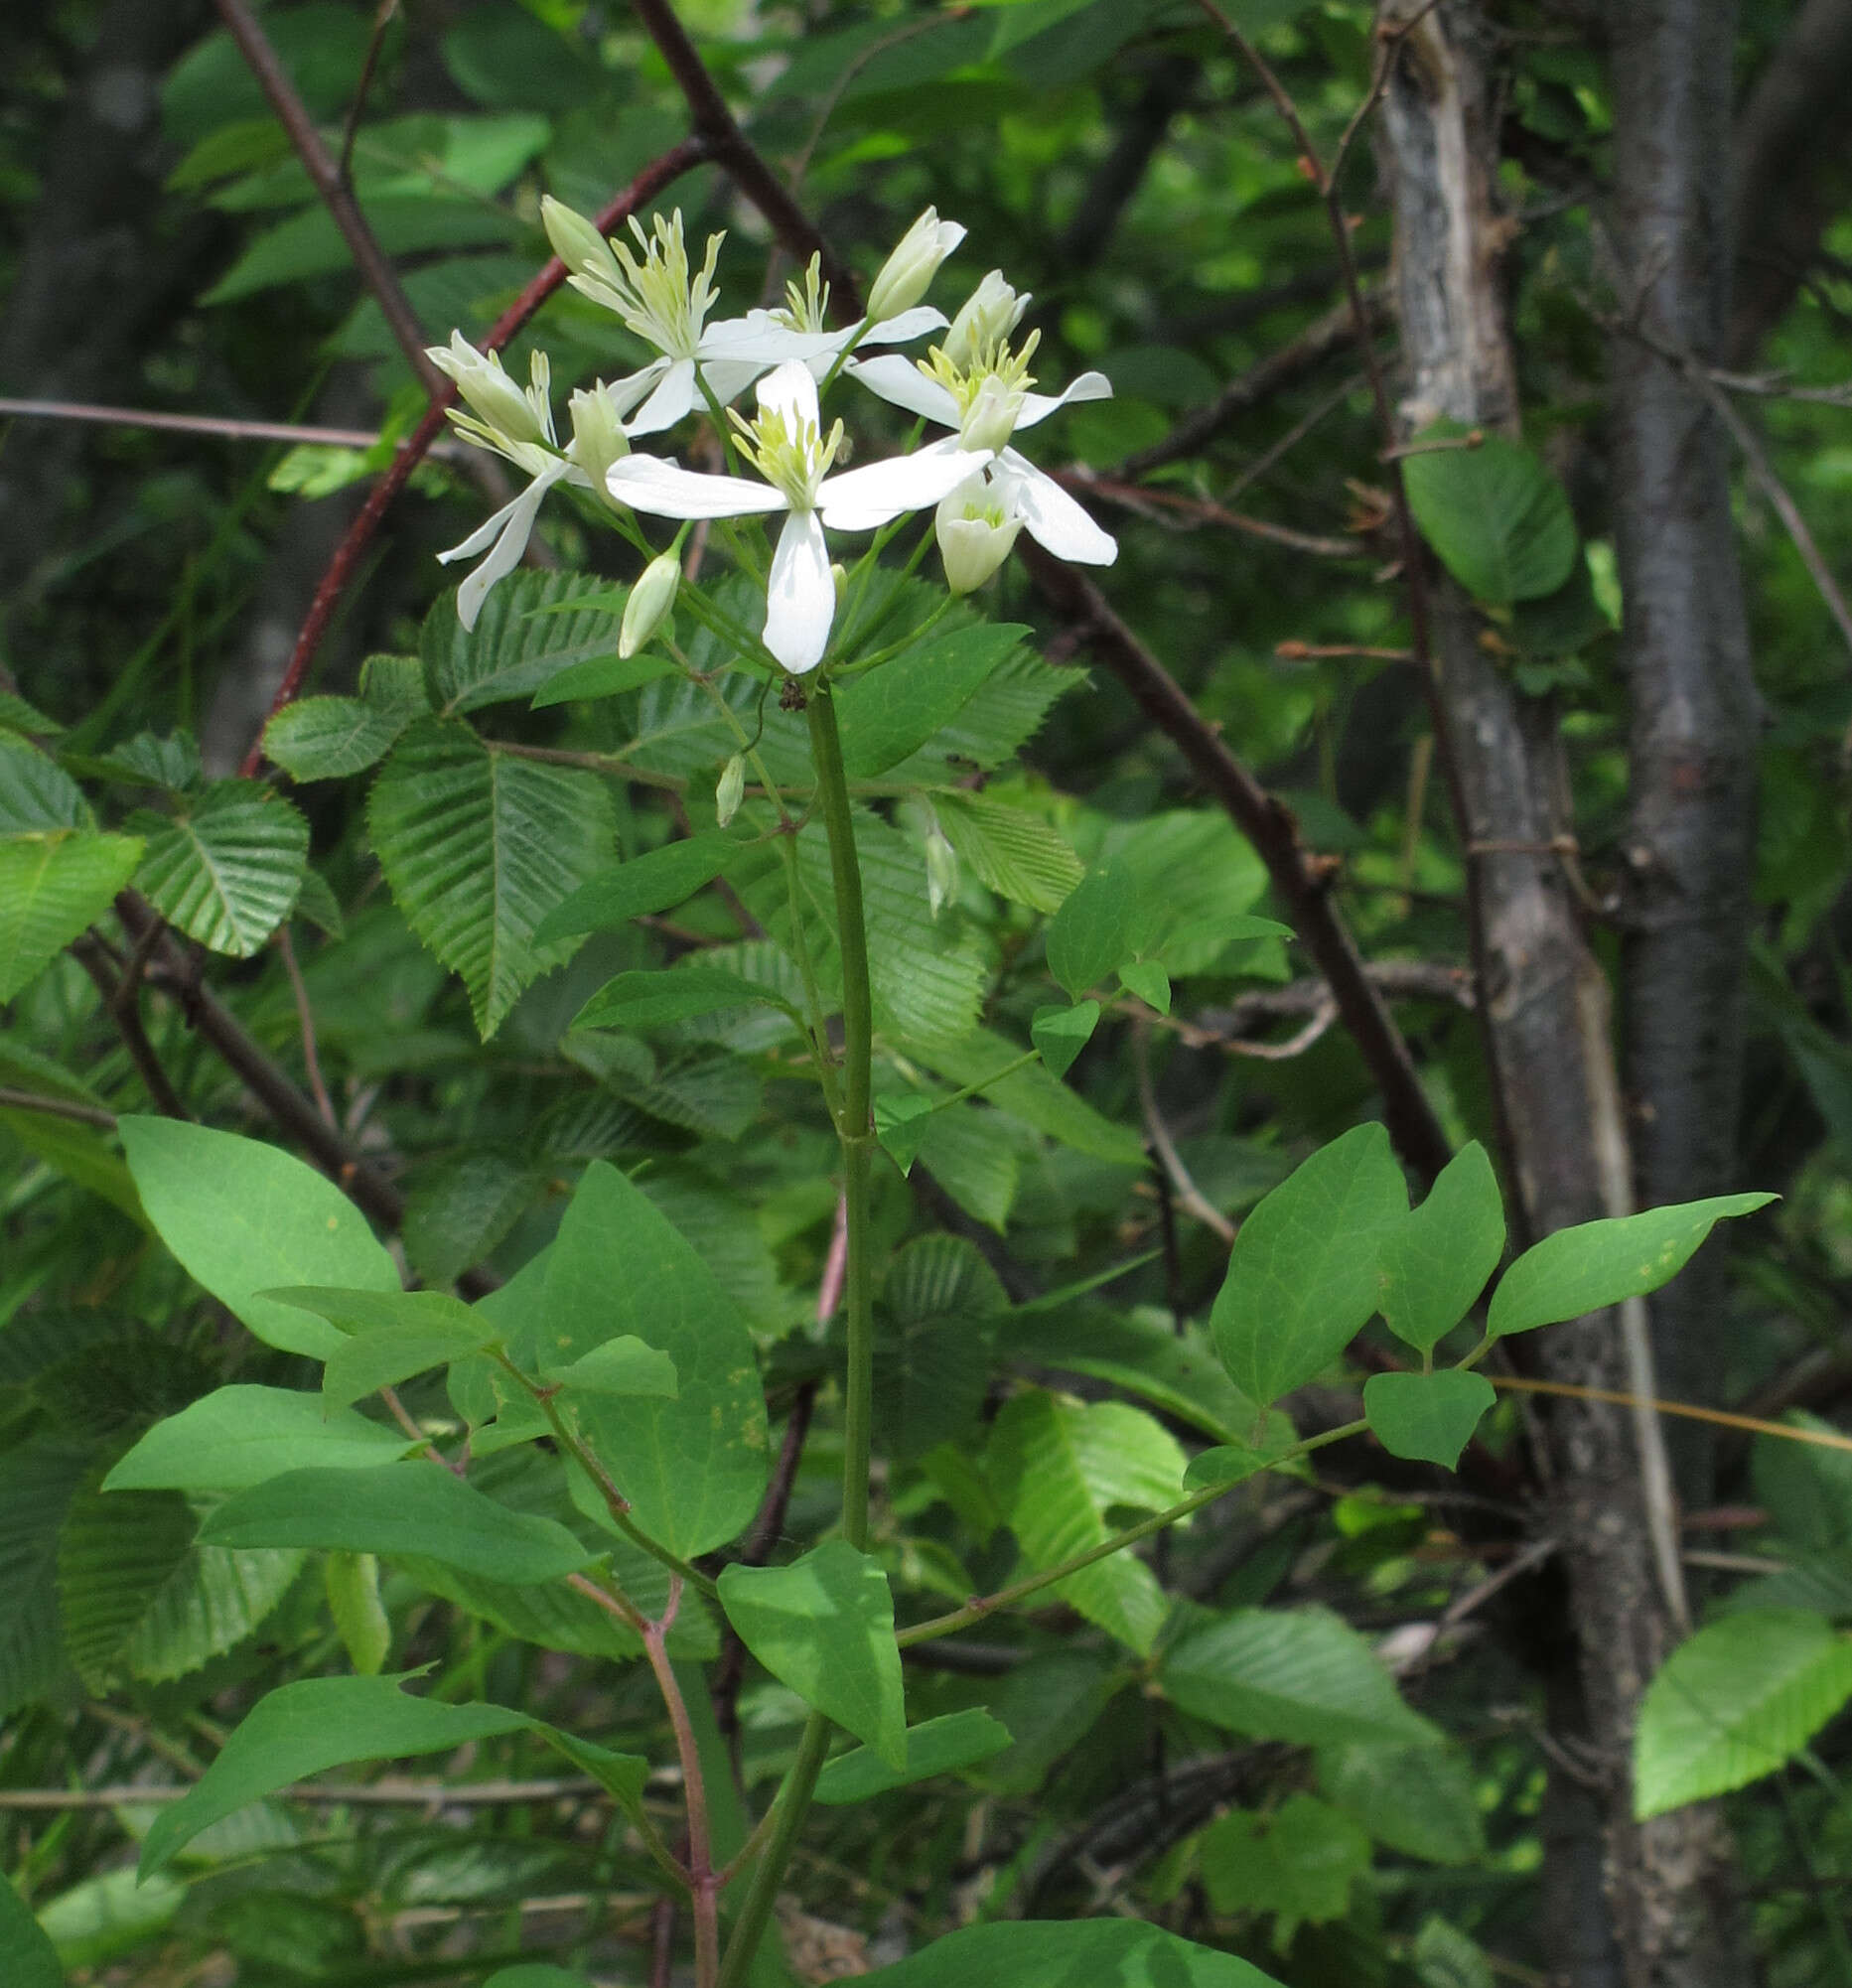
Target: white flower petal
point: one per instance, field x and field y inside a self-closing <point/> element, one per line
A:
<point x="800" y="598"/>
<point x="728" y="378"/>
<point x="759" y="336"/>
<point x="1039" y="406"/>
<point x="674" y="395"/>
<point x="1053" y="519"/>
<point x="909" y="324"/>
<point x="666" y="490"/>
<point x="900" y="381"/>
<point x="791" y="391"/>
<point x="515" y="522"/>
<point x="862" y="499"/>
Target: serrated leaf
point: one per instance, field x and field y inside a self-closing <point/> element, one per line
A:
<point x="1302" y="1275"/>
<point x="228" y="869"/>
<point x="478" y="846"/>
<point x="1428" y="1417"/>
<point x="1735" y="1702"/>
<point x="1418" y="1800"/>
<point x="1055" y="1466"/>
<point x="150" y="760"/>
<point x="39" y="1478"/>
<point x="513" y="650"/>
<point x="825" y="1626"/>
<point x="1298" y="1674"/>
<point x="1011" y="850"/>
<point x="671" y="994"/>
<point x="208" y="1603"/>
<point x="317" y="904"/>
<point x="1493" y="513"/>
<point x="940" y="1745"/>
<point x="935" y="1327"/>
<point x="887" y="715"/>
<point x="1297" y="1862"/>
<point x="246" y="1218"/>
<point x="37" y="796"/>
<point x="994" y="722"/>
<point x="1032" y="1953"/>
<point x="24" y="1942"/>
<point x="114" y="1552"/>
<point x="238" y="1436"/>
<point x="1436" y="1259"/>
<point x="1446" y="1957"/>
<point x="1598" y="1263"/>
<point x="325" y="738"/>
<point x="969" y="1152"/>
<point x="1061" y="1034"/>
<point x="655" y="882"/>
<point x="413" y="1508"/>
<point x="52" y="887"/>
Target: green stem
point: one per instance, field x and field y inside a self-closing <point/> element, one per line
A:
<point x="857" y="1135"/>
<point x="812" y="992"/>
<point x="789" y="1812"/>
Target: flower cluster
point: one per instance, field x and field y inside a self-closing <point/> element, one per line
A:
<point x="974" y="383"/>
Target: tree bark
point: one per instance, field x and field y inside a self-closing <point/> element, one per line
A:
<point x="1545" y="1008"/>
<point x="1690" y="846"/>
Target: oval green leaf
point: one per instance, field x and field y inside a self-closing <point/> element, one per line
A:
<point x="1427" y="1417"/>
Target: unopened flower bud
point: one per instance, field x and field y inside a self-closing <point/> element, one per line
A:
<point x="988" y="317"/>
<point x="647" y="608"/>
<point x="729" y="791"/>
<point x="493" y="396"/>
<point x="598" y="437"/>
<point x="907" y="273"/>
<point x="974" y="536"/>
<point x="941" y="866"/>
<point x="839" y="579"/>
<point x="990" y="420"/>
<point x="576" y="241"/>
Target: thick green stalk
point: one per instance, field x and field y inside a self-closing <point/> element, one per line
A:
<point x="792" y="1805"/>
<point x="857" y="1131"/>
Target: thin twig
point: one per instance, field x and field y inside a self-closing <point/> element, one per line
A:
<point x="387" y="1794"/>
<point x="57" y="1107"/>
<point x="122" y="1000"/>
<point x="1201" y="510"/>
<point x="1189" y="1195"/>
<point x="305" y="1017"/>
<point x="205" y="424"/>
<point x="382" y="15"/>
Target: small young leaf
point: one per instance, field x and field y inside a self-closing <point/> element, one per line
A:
<point x="935" y="1747"/>
<point x="226" y="870"/>
<point x="1235" y="1463"/>
<point x="622" y="1366"/>
<point x="1598" y="1263"/>
<point x="325" y="738"/>
<point x="676" y="994"/>
<point x="236" y="1437"/>
<point x="1103" y="923"/>
<point x="384" y="1355"/>
<point x="1149" y="981"/>
<point x="395" y="1509"/>
<point x="1429" y="1417"/>
<point x="1009" y="848"/>
<point x="1495" y="515"/>
<point x="825" y="1626"/>
<point x="245" y="1217"/>
<point x="1735" y="1702"/>
<point x="1061" y="1034"/>
<point x="52" y="887"/>
<point x="1302" y="1275"/>
<point x="1436" y="1260"/>
<point x="1297" y="1863"/>
<point x="653" y="881"/>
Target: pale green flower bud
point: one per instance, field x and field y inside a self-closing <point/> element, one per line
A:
<point x="839" y="579"/>
<point x="988" y="317"/>
<point x="502" y="408"/>
<point x="990" y="420"/>
<point x="974" y="535"/>
<point x="907" y="273"/>
<point x="651" y="599"/>
<point x="942" y="866"/>
<point x="576" y="241"/>
<point x="598" y="437"/>
<point x="729" y="792"/>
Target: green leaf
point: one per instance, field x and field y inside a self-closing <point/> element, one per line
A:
<point x="1101" y="924"/>
<point x="514" y="647"/>
<point x="1436" y="1261"/>
<point x="415" y="1507"/>
<point x="24" y="1942"/>
<point x="1298" y="1674"/>
<point x="245" y="1217"/>
<point x="655" y="882"/>
<point x="1429" y="1417"/>
<point x="622" y="1366"/>
<point x="1070" y="1953"/>
<point x="1598" y="1263"/>
<point x="114" y="1555"/>
<point x="209" y="1602"/>
<point x="673" y="994"/>
<point x="1805" y="1487"/>
<point x="825" y="1626"/>
<point x="1057" y="1467"/>
<point x="16" y="715"/>
<point x="226" y="871"/>
<point x="460" y="1208"/>
<point x="384" y="1355"/>
<point x="352" y="1584"/>
<point x="151" y="761"/>
<point x="935" y="1327"/>
<point x="1446" y="1957"/>
<point x="935" y="1747"/>
<point x="327" y="738"/>
<point x="309" y="244"/>
<point x="604" y="676"/>
<point x="39" y="1478"/>
<point x="37" y="796"/>
<point x="1061" y="1034"/>
<point x="901" y="1122"/>
<point x="1234" y="1463"/>
<point x="1302" y="1275"/>
<point x="305" y="1728"/>
<point x="478" y="846"/>
<point x="969" y="1151"/>
<point x="52" y="887"/>
<point x="887" y="715"/>
<point x="1418" y="1800"/>
<point x="693" y="1468"/>
<point x="1493" y="513"/>
<point x="1040" y="1099"/>
<point x="1735" y="1702"/>
<point x="236" y="1437"/>
<point x="1011" y="850"/>
<point x="1149" y="981"/>
<point x="535" y="1974"/>
<point x="1298" y="1863"/>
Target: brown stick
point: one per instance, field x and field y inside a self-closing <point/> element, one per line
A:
<point x="57" y="1107"/>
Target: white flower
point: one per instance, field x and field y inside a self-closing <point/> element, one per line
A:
<point x="907" y="273"/>
<point x="987" y="318"/>
<point x="598" y="437"/>
<point x="786" y="447"/>
<point x="806" y="314"/>
<point x="974" y="536"/>
<point x="664" y="304"/>
<point x="986" y="402"/>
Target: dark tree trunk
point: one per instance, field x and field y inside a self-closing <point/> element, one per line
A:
<point x="1545" y="1006"/>
<point x="1692" y="741"/>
